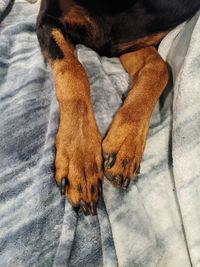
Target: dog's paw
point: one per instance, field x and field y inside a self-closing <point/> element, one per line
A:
<point x="123" y="147"/>
<point x="79" y="165"/>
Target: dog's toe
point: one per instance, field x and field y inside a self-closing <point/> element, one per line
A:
<point x="110" y="161"/>
<point x="123" y="153"/>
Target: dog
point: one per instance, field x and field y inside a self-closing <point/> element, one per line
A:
<point x="130" y="30"/>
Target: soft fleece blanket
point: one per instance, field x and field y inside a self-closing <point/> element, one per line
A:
<point x="156" y="223"/>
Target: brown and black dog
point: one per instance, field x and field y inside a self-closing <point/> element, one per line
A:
<point x="129" y="29"/>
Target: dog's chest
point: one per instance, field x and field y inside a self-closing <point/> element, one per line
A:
<point x="103" y="31"/>
<point x="92" y="31"/>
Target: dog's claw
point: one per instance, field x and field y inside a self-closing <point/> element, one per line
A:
<point x="100" y="186"/>
<point x="76" y="209"/>
<point x="63" y="185"/>
<point x="118" y="179"/>
<point x="109" y="177"/>
<point x="110" y="162"/>
<point x="93" y="208"/>
<point x="84" y="207"/>
<point x="126" y="184"/>
<point x="138" y="170"/>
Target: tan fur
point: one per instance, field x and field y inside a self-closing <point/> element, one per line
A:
<point x="127" y="134"/>
<point x="141" y="42"/>
<point x="78" y="141"/>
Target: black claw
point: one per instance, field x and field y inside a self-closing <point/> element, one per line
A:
<point x="93" y="208"/>
<point x="123" y="97"/>
<point x="110" y="162"/>
<point x="63" y="185"/>
<point x="109" y="177"/>
<point x="84" y="207"/>
<point x="118" y="179"/>
<point x="84" y="211"/>
<point x="126" y="184"/>
<point x="76" y="209"/>
<point x="100" y="186"/>
<point x="138" y="170"/>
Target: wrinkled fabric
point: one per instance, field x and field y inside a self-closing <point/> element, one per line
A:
<point x="156" y="222"/>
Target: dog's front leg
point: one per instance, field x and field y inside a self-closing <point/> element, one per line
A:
<point x="124" y="143"/>
<point x="78" y="141"/>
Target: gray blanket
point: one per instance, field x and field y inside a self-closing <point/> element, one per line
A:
<point x="156" y="223"/>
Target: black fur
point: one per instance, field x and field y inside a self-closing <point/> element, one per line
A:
<point x="47" y="43"/>
<point x="117" y="22"/>
<point x="54" y="50"/>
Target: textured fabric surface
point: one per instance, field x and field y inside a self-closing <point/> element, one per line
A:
<point x="156" y="223"/>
